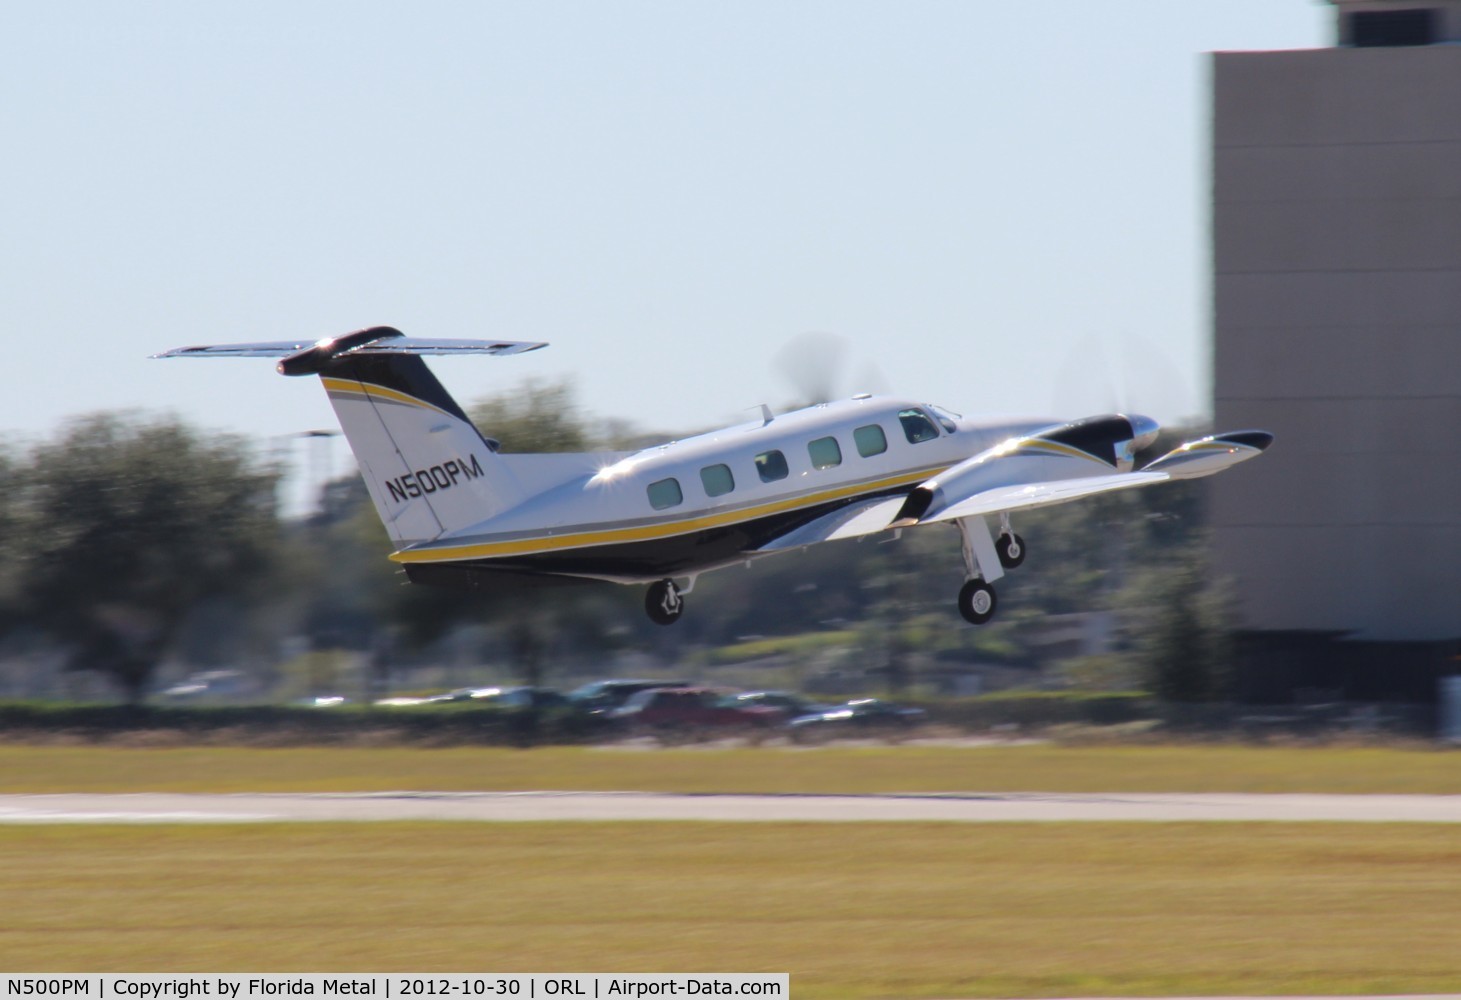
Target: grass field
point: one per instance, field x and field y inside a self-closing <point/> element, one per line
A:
<point x="1182" y="768"/>
<point x="865" y="910"/>
<point x="850" y="910"/>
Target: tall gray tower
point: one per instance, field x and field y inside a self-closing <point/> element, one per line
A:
<point x="1337" y="298"/>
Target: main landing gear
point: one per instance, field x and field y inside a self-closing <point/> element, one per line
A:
<point x="985" y="560"/>
<point x="977" y="602"/>
<point x="664" y="602"/>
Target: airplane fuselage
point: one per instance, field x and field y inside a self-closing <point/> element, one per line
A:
<point x="713" y="499"/>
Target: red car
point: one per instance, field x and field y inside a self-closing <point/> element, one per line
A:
<point x="693" y="708"/>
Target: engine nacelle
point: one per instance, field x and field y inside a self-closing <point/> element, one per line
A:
<point x="1211" y="454"/>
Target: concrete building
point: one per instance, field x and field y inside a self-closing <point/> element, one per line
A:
<point x="1337" y="301"/>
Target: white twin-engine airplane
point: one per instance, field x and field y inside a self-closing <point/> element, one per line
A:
<point x="460" y="513"/>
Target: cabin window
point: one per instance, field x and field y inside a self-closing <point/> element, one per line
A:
<point x="771" y="466"/>
<point x="665" y="493"/>
<point x="916" y="426"/>
<point x="717" y="480"/>
<point x="824" y="453"/>
<point x="870" y="440"/>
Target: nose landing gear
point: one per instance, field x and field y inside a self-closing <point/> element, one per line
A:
<point x="1011" y="550"/>
<point x="664" y="603"/>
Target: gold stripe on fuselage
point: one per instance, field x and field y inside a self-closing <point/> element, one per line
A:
<point x="1057" y="449"/>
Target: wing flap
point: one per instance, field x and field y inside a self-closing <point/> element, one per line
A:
<point x="852" y="521"/>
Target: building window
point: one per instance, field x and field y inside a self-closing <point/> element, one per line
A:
<point x="870" y="440"/>
<point x="824" y="453"/>
<point x="771" y="466"/>
<point x="916" y="426"/>
<point x="1381" y="28"/>
<point x="717" y="480"/>
<point x="665" y="493"/>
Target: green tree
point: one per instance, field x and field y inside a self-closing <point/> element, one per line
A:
<point x="1183" y="639"/>
<point x="539" y="415"/>
<point x="117" y="529"/>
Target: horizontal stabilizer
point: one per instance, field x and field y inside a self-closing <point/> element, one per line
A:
<point x="261" y="349"/>
<point x="386" y="345"/>
<point x="425" y="345"/>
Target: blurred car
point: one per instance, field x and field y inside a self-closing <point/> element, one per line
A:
<point x="540" y="698"/>
<point x="790" y="704"/>
<point x="602" y="697"/>
<point x="692" y="708"/>
<point x="860" y="716"/>
<point x="463" y="694"/>
<point x="323" y="701"/>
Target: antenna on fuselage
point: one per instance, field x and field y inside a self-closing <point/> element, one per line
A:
<point x="766" y="415"/>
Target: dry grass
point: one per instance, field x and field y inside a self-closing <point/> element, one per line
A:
<point x="866" y="910"/>
<point x="765" y="769"/>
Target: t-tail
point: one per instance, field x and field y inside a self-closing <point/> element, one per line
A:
<point x="428" y="469"/>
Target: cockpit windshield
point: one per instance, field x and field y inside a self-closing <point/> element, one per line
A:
<point x="947" y="419"/>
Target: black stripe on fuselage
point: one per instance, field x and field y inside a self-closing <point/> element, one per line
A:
<point x="678" y="555"/>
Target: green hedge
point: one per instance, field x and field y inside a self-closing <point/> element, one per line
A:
<point x="1036" y="709"/>
<point x="292" y="725"/>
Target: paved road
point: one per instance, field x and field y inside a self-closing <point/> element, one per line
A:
<point x="602" y="806"/>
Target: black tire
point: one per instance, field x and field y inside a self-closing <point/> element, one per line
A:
<point x="1011" y="549"/>
<point x="977" y="602"/>
<point x="663" y="604"/>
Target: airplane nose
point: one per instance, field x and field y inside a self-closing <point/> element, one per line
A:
<point x="1143" y="430"/>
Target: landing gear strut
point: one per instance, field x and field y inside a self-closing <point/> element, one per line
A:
<point x="663" y="603"/>
<point x="985" y="560"/>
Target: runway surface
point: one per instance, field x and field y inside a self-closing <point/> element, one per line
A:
<point x="507" y="807"/>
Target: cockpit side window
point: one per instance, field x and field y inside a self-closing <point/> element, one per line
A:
<point x="916" y="426"/>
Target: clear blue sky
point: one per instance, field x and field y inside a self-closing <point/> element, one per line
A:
<point x="996" y="205"/>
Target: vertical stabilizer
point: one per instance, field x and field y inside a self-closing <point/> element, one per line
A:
<point x="427" y="468"/>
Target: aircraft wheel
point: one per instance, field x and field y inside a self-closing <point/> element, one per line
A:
<point x="663" y="603"/>
<point x="1011" y="549"/>
<point x="976" y="602"/>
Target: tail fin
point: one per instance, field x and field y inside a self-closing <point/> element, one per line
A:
<point x="428" y="469"/>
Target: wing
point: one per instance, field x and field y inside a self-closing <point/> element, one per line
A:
<point x="1027" y="496"/>
<point x="1044" y="469"/>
